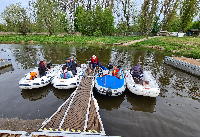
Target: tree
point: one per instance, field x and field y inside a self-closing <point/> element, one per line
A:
<point x="147" y="15"/>
<point x="174" y="25"/>
<point x="156" y="26"/>
<point x="107" y="22"/>
<point x="2" y="27"/>
<point x="79" y="19"/>
<point x="94" y="22"/>
<point x="83" y="21"/>
<point x="195" y="25"/>
<point x="122" y="28"/>
<point x="169" y="10"/>
<point x="16" y="18"/>
<point x="49" y="15"/>
<point x="126" y="10"/>
<point x="189" y="10"/>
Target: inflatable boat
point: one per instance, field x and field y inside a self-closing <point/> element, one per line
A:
<point x="27" y="83"/>
<point x="61" y="83"/>
<point x="109" y="85"/>
<point x="148" y="87"/>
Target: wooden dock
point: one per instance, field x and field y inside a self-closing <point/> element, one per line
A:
<point x="79" y="113"/>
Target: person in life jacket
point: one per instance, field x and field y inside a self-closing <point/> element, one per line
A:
<point x="71" y="64"/>
<point x="94" y="62"/>
<point x="66" y="73"/>
<point x="42" y="68"/>
<point x="115" y="71"/>
<point x="33" y="75"/>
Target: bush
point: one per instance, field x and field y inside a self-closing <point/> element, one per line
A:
<point x="97" y="33"/>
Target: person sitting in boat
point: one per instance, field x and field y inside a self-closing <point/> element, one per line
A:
<point x="42" y="68"/>
<point x="66" y="73"/>
<point x="94" y="62"/>
<point x="137" y="73"/>
<point x="110" y="66"/>
<point x="49" y="65"/>
<point x="120" y="72"/>
<point x="71" y="64"/>
<point x="33" y="75"/>
<point x="115" y="71"/>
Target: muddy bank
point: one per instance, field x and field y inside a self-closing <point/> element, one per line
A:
<point x="16" y="124"/>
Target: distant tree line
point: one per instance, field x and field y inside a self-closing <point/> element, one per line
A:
<point x="101" y="17"/>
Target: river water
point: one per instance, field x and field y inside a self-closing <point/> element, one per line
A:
<point x="174" y="113"/>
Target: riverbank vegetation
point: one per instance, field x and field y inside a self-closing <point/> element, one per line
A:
<point x="66" y="39"/>
<point x="187" y="46"/>
<point x="103" y="22"/>
<point x="102" y="17"/>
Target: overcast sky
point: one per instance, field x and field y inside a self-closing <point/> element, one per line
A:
<point x="4" y="3"/>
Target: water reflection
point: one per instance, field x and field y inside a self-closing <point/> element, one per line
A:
<point x="63" y="94"/>
<point x="184" y="84"/>
<point x="108" y="103"/>
<point x="120" y="57"/>
<point x="84" y="54"/>
<point x="56" y="53"/>
<point x="28" y="56"/>
<point x="6" y="69"/>
<point x="36" y="94"/>
<point x="141" y="103"/>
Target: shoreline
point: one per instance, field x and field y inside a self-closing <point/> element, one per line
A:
<point x="67" y="39"/>
<point x="16" y="124"/>
<point x="186" y="46"/>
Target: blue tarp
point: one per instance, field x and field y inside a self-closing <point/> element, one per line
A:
<point x="104" y="68"/>
<point x="109" y="81"/>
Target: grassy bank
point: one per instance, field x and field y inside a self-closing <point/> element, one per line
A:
<point x="186" y="46"/>
<point x="34" y="39"/>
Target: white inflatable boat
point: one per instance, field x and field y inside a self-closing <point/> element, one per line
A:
<point x="27" y="83"/>
<point x="150" y="89"/>
<point x="69" y="83"/>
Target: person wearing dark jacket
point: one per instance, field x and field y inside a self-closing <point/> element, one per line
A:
<point x="42" y="68"/>
<point x="137" y="73"/>
<point x="71" y="64"/>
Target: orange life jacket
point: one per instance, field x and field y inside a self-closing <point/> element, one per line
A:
<point x="33" y="75"/>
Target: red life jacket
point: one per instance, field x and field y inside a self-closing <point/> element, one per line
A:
<point x="115" y="72"/>
<point x="94" y="60"/>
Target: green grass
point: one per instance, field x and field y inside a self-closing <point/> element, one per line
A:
<point x="66" y="39"/>
<point x="186" y="46"/>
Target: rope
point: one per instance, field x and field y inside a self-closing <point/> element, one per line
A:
<point x="89" y="104"/>
<point x="63" y="120"/>
<point x="48" y="120"/>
